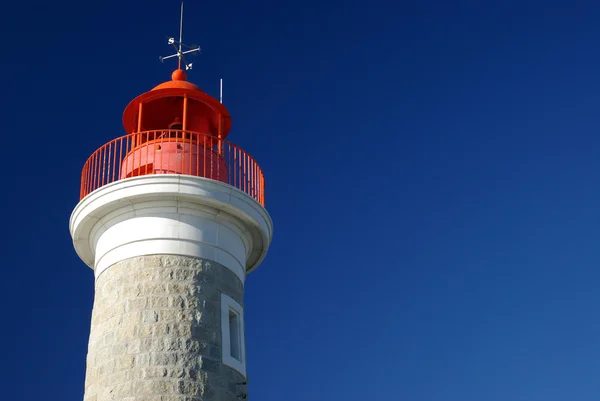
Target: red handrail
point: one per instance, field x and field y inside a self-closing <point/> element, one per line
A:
<point x="173" y="152"/>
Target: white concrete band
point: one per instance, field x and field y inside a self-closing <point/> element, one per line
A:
<point x="171" y="214"/>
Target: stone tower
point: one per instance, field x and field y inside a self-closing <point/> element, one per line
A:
<point x="171" y="219"/>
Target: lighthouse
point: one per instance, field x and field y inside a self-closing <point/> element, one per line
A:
<point x="171" y="219"/>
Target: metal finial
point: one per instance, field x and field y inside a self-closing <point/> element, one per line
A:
<point x="179" y="46"/>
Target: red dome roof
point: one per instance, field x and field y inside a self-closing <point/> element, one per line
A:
<point x="178" y="82"/>
<point x="164" y="103"/>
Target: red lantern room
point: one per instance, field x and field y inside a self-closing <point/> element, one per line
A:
<point x="177" y="128"/>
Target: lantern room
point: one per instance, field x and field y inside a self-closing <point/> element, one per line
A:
<point x="177" y="129"/>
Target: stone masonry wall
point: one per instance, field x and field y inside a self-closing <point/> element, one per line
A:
<point x="156" y="332"/>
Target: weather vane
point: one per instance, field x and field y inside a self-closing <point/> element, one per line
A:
<point x="179" y="46"/>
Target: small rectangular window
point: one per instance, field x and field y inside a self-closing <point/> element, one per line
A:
<point x="234" y="335"/>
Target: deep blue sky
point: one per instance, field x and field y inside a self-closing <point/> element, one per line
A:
<point x="432" y="172"/>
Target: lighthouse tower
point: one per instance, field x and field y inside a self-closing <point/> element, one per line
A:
<point x="171" y="219"/>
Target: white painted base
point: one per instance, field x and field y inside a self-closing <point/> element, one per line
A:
<point x="171" y="214"/>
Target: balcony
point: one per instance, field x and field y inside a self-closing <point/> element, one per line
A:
<point x="173" y="152"/>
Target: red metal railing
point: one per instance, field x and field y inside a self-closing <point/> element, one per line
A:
<point x="173" y="152"/>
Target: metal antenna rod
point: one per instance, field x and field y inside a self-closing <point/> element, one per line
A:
<point x="221" y="91"/>
<point x="179" y="46"/>
<point x="180" y="35"/>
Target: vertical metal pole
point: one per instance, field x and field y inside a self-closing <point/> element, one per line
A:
<point x="220" y="134"/>
<point x="139" y="124"/>
<point x="185" y="106"/>
<point x="184" y="128"/>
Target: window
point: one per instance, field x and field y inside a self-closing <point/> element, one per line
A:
<point x="232" y="334"/>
